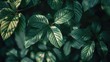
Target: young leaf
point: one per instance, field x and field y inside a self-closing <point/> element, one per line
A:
<point x="87" y="51"/>
<point x="50" y="57"/>
<point x="63" y="16"/>
<point x="55" y="4"/>
<point x="8" y="26"/>
<point x="40" y="56"/>
<point x="67" y="48"/>
<point x="87" y="4"/>
<point x="55" y="36"/>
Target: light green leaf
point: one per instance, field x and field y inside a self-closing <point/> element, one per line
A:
<point x="67" y="48"/>
<point x="87" y="51"/>
<point x="63" y="16"/>
<point x="55" y="36"/>
<point x="87" y="4"/>
<point x="8" y="26"/>
<point x="20" y="32"/>
<point x="40" y="56"/>
<point x="55" y="4"/>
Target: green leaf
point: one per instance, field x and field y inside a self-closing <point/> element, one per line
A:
<point x="67" y="48"/>
<point x="12" y="52"/>
<point x="3" y="4"/>
<point x="5" y="12"/>
<point x="105" y="5"/>
<point x="24" y="3"/>
<point x="58" y="53"/>
<point x="103" y="50"/>
<point x="63" y="16"/>
<point x="26" y="59"/>
<point x="76" y="7"/>
<point x="87" y="51"/>
<point x="16" y="3"/>
<point x="81" y="34"/>
<point x="8" y="26"/>
<point x="77" y="44"/>
<point x="20" y="32"/>
<point x="50" y="57"/>
<point x="87" y="4"/>
<point x="105" y="35"/>
<point x="96" y="27"/>
<point x="55" y="36"/>
<point x="55" y="4"/>
<point x="38" y="24"/>
<point x="40" y="56"/>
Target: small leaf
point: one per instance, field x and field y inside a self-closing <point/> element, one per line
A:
<point x="58" y="53"/>
<point x="8" y="26"/>
<point x="63" y="16"/>
<point x="67" y="48"/>
<point x="55" y="36"/>
<point x="87" y="4"/>
<point x="87" y="51"/>
<point x="50" y="57"/>
<point x="40" y="56"/>
<point x="55" y="4"/>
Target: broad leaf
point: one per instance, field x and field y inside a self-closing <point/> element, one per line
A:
<point x="63" y="16"/>
<point x="38" y="25"/>
<point x="55" y="4"/>
<point x="81" y="34"/>
<point x="87" y="4"/>
<point x="67" y="48"/>
<point x="8" y="26"/>
<point x="55" y="36"/>
<point x="87" y="51"/>
<point x="5" y="12"/>
<point x="20" y="32"/>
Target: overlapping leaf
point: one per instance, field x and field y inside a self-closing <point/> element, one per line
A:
<point x="55" y="4"/>
<point x="87" y="51"/>
<point x="63" y="16"/>
<point x="8" y="26"/>
<point x="55" y="36"/>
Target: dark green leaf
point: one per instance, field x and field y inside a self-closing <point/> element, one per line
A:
<point x="24" y="3"/>
<point x="81" y="34"/>
<point x="50" y="57"/>
<point x="67" y="48"/>
<point x="55" y="36"/>
<point x="87" y="4"/>
<point x="20" y="32"/>
<point x="55" y="4"/>
<point x="63" y="16"/>
<point x="26" y="59"/>
<point x="87" y="51"/>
